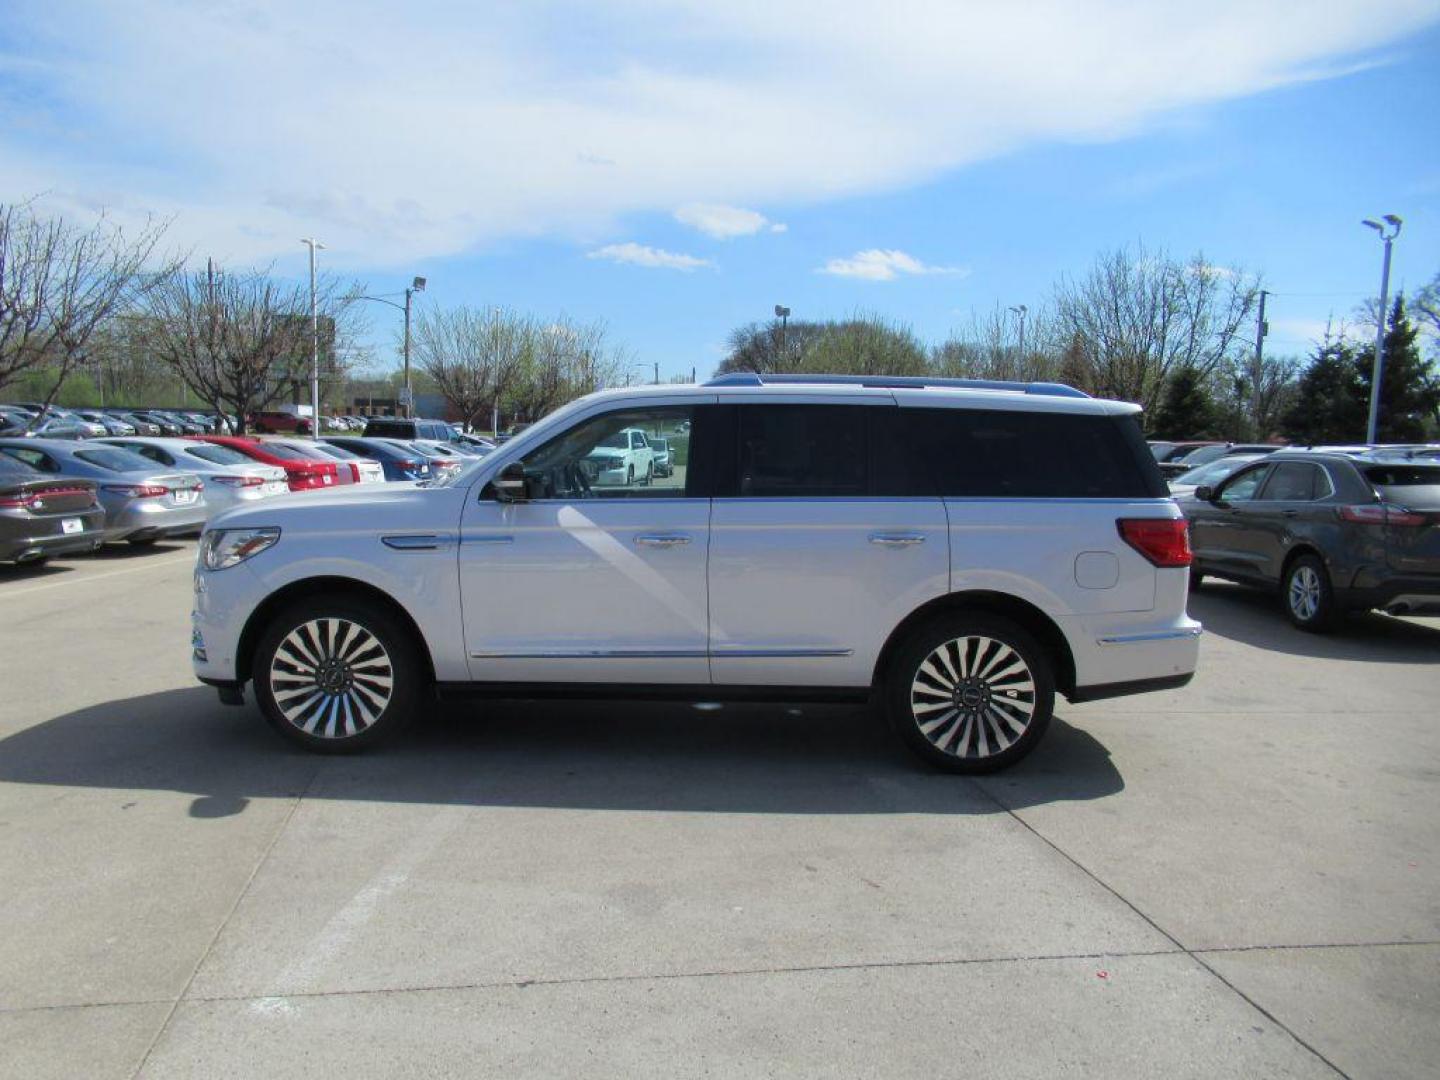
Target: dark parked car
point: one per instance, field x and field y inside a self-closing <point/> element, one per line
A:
<point x="1205" y="454"/>
<point x="135" y="420"/>
<point x="400" y="461"/>
<point x="41" y="516"/>
<point x="1332" y="532"/>
<point x="398" y="427"/>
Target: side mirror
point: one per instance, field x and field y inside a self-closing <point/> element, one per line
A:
<point x="510" y="483"/>
<point x="1205" y="493"/>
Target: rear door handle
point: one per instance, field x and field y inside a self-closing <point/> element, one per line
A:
<point x="662" y="539"/>
<point x="897" y="539"/>
<point x="1289" y="513"/>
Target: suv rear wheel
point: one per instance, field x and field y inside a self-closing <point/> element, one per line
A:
<point x="1308" y="596"/>
<point x="336" y="674"/>
<point x="970" y="693"/>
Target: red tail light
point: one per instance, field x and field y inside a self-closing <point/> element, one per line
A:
<point x="16" y="502"/>
<point x="239" y="481"/>
<point x="1165" y="542"/>
<point x="136" y="491"/>
<point x="1380" y="514"/>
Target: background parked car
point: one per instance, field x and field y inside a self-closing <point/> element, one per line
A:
<point x="41" y="515"/>
<point x="663" y="464"/>
<point x="113" y="425"/>
<point x="229" y="477"/>
<point x="361" y="470"/>
<point x="143" y="502"/>
<point x="1214" y="452"/>
<point x="623" y="458"/>
<point x="1334" y="533"/>
<point x="139" y="425"/>
<point x="302" y="472"/>
<point x="444" y="460"/>
<point x="277" y="422"/>
<point x="398" y="460"/>
<point x="399" y="427"/>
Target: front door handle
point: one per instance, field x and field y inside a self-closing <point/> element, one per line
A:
<point x="897" y="539"/>
<point x="1289" y="513"/>
<point x="662" y="539"/>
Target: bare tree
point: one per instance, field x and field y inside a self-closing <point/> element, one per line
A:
<point x="1137" y="317"/>
<point x="990" y="347"/>
<point x="242" y="341"/>
<point x="563" y="360"/>
<point x="60" y="283"/>
<point x="473" y="354"/>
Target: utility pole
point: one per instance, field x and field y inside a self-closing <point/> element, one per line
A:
<point x="1262" y="329"/>
<point x="1379" y="370"/>
<point x="417" y="285"/>
<point x="783" y="314"/>
<point x="314" y="345"/>
<point x="1021" y="310"/>
<point x="657" y="372"/>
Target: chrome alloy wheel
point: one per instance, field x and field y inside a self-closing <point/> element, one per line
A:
<point x="331" y="678"/>
<point x="1304" y="593"/>
<point x="973" y="697"/>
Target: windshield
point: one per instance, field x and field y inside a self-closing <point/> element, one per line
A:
<point x="618" y="441"/>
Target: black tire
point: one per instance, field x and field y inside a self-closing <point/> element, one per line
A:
<point x="359" y="715"/>
<point x="1197" y="578"/>
<point x="1308" y="596"/>
<point x="932" y="718"/>
<point x="630" y="476"/>
<point x="650" y="474"/>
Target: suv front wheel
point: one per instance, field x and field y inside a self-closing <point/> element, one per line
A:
<point x="336" y="674"/>
<point x="970" y="693"/>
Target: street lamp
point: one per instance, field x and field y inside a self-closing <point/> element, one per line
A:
<point x="783" y="314"/>
<point x="407" y="397"/>
<point x="1021" y="309"/>
<point x="1388" y="236"/>
<point x="314" y="344"/>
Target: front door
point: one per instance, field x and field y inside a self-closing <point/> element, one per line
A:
<point x="599" y="577"/>
<point x="1221" y="530"/>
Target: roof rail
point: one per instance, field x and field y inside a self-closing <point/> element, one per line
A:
<point x="895" y="382"/>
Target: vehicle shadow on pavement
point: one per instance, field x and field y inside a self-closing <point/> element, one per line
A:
<point x="584" y="756"/>
<point x="1253" y="617"/>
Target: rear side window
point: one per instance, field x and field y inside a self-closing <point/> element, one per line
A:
<point x="803" y="451"/>
<point x="1295" y="481"/>
<point x="219" y="455"/>
<point x="1416" y="486"/>
<point x="390" y="429"/>
<point x="976" y="453"/>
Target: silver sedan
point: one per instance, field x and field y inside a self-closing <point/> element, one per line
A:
<point x="143" y="502"/>
<point x="230" y="478"/>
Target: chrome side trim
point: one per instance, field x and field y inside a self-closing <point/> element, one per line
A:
<point x="1155" y="635"/>
<point x="416" y="542"/>
<point x="656" y="654"/>
<point x="487" y="538"/>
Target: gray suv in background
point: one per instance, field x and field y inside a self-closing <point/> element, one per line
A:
<point x="398" y="427"/>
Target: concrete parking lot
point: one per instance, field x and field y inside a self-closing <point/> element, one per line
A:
<point x="1241" y="878"/>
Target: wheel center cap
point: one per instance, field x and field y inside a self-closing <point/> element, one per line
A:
<point x="972" y="697"/>
<point x="332" y="676"/>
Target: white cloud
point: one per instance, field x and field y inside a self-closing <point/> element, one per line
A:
<point x="640" y="255"/>
<point x="725" y="222"/>
<point x="877" y="264"/>
<point x="467" y="124"/>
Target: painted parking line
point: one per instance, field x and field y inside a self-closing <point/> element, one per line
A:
<point x="178" y="557"/>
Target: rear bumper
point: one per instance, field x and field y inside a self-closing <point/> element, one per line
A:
<point x="1415" y="595"/>
<point x="41" y="537"/>
<point x="139" y="521"/>
<point x="1126" y="654"/>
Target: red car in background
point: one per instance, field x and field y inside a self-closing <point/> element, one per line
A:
<point x="301" y="472"/>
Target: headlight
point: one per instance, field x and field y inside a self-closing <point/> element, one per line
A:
<point x="222" y="548"/>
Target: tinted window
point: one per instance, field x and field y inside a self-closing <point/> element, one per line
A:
<point x="10" y="467"/>
<point x="390" y="429"/>
<point x="993" y="454"/>
<point x="33" y="458"/>
<point x="1293" y="481"/>
<point x="803" y="451"/>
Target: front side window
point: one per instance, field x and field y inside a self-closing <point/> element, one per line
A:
<point x="609" y="457"/>
<point x="1244" y="487"/>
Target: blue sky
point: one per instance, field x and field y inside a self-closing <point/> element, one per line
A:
<point x="677" y="170"/>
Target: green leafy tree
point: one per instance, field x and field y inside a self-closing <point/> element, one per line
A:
<point x="1187" y="410"/>
<point x="1329" y="401"/>
<point x="1409" y="388"/>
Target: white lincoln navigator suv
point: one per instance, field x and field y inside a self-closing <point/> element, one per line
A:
<point x="960" y="551"/>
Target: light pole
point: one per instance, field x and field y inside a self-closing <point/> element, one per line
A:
<point x="314" y="344"/>
<point x="407" y="397"/>
<point x="1379" y="370"/>
<point x="1021" y="310"/>
<point x="783" y="314"/>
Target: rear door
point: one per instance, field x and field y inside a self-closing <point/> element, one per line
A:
<point x="824" y="536"/>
